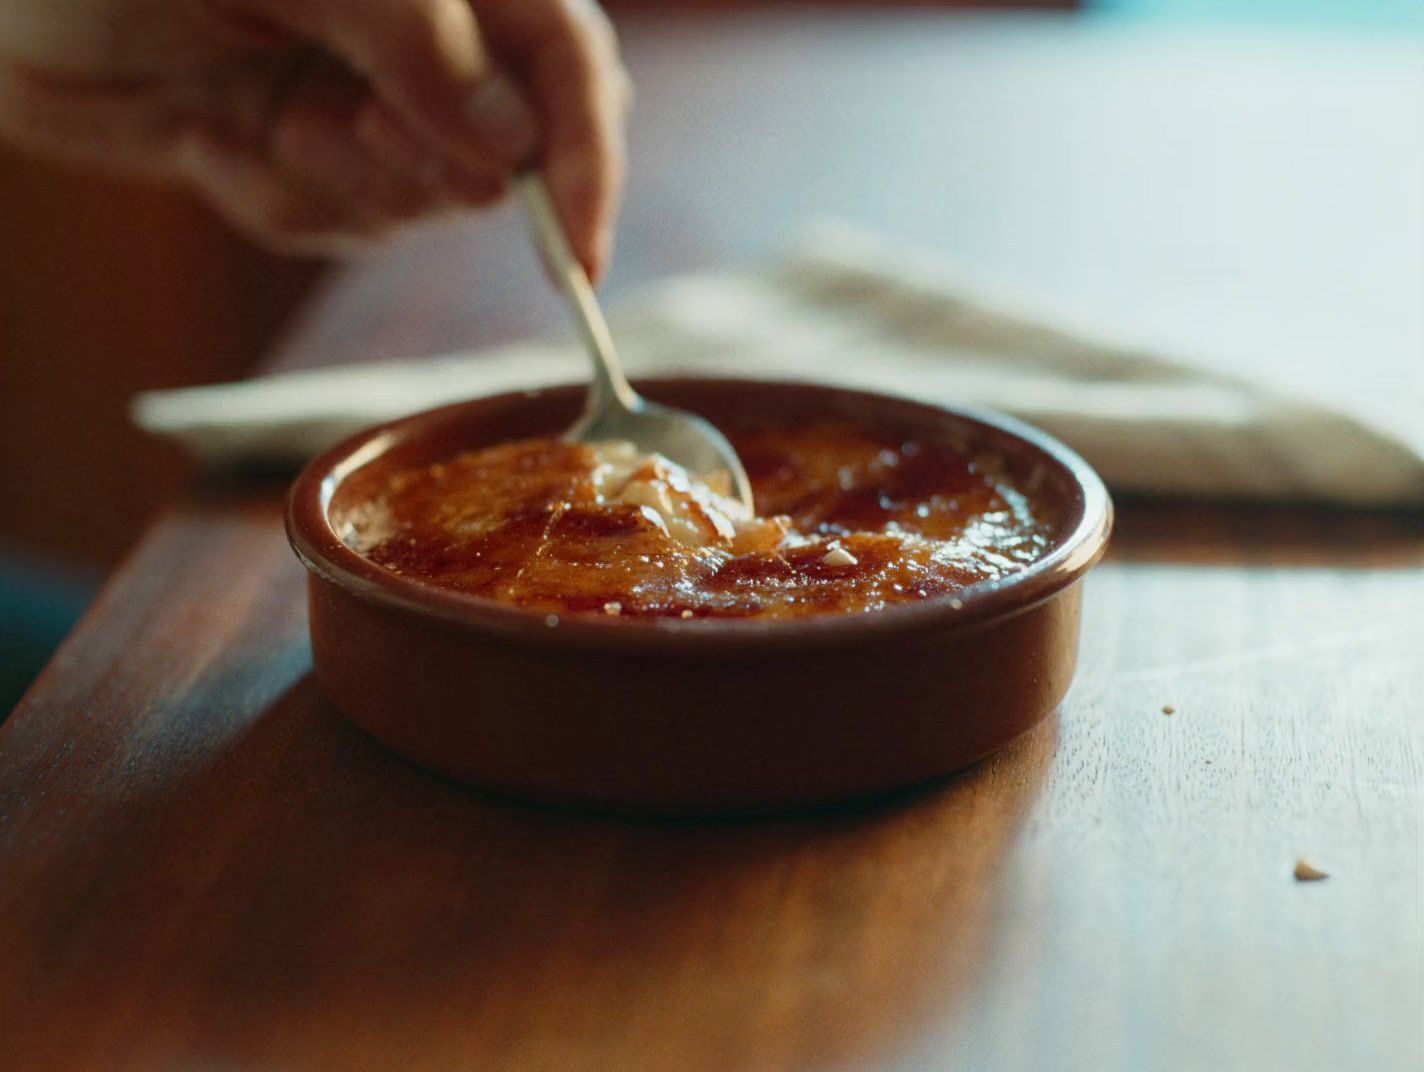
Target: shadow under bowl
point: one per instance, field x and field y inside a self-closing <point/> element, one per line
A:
<point x="708" y="715"/>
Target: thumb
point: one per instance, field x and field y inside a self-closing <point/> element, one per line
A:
<point x="426" y="63"/>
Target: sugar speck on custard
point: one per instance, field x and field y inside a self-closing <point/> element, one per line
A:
<point x="839" y="556"/>
<point x="613" y="608"/>
<point x="687" y="614"/>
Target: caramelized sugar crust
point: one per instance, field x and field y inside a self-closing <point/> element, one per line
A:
<point x="850" y="523"/>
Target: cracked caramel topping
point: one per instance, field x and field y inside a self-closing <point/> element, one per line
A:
<point x="850" y="522"/>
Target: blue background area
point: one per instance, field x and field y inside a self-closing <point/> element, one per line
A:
<point x="1378" y="14"/>
<point x="39" y="604"/>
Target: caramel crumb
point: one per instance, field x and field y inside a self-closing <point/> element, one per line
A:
<point x="839" y="556"/>
<point x="613" y="608"/>
<point x="1168" y="709"/>
<point x="1305" y="871"/>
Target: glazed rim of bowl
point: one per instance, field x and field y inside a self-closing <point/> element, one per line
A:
<point x="1080" y="543"/>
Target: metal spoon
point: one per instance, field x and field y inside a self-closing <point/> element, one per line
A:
<point x="613" y="410"/>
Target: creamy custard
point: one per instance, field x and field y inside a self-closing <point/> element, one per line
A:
<point x="848" y="522"/>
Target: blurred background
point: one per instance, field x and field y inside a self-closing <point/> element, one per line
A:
<point x="107" y="289"/>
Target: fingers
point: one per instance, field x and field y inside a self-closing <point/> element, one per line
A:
<point x="424" y="121"/>
<point x="256" y="198"/>
<point x="567" y="56"/>
<point x="387" y="138"/>
<point x="123" y="128"/>
<point x="311" y="191"/>
<point x="425" y="63"/>
<point x="436" y="92"/>
<point x="313" y="140"/>
<point x="331" y="170"/>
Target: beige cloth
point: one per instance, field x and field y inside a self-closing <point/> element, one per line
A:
<point x="847" y="309"/>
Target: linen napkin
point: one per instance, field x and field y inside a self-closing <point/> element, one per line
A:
<point x="849" y="309"/>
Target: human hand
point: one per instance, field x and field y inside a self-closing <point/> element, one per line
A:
<point x="317" y="125"/>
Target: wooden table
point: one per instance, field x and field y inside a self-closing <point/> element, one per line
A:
<point x="203" y="867"/>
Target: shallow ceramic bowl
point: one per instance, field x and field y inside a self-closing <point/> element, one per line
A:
<point x="702" y="715"/>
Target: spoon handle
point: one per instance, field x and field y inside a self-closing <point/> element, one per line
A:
<point x="610" y="386"/>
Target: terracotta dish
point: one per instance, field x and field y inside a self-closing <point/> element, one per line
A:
<point x="675" y="712"/>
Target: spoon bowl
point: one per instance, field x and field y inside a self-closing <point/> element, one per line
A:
<point x="685" y="438"/>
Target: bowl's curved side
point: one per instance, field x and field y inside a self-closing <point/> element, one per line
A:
<point x="699" y="716"/>
<point x="666" y="733"/>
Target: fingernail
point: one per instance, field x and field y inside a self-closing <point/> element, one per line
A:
<point x="503" y="118"/>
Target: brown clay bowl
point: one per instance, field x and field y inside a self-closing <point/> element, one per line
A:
<point x="705" y="715"/>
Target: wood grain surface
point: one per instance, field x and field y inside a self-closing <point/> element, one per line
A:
<point x="202" y="866"/>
